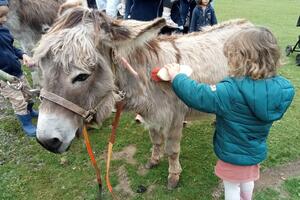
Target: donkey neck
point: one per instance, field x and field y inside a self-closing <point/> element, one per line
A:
<point x="138" y="89"/>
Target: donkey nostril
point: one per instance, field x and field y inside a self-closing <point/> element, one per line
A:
<point x="53" y="143"/>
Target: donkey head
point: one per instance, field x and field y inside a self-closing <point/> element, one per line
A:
<point x="76" y="63"/>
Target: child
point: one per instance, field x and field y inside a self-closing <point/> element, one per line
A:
<point x="246" y="104"/>
<point x="203" y="15"/>
<point x="9" y="63"/>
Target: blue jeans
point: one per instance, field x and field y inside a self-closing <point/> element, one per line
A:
<point x="184" y="8"/>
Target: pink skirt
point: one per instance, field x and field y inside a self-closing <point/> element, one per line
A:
<point x="236" y="173"/>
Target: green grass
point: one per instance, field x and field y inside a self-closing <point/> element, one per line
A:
<point x="29" y="172"/>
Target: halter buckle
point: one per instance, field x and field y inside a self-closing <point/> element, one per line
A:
<point x="90" y="115"/>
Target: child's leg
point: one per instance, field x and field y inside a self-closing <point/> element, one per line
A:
<point x="247" y="190"/>
<point x="28" y="98"/>
<point x="232" y="190"/>
<point x="18" y="101"/>
<point x="15" y="97"/>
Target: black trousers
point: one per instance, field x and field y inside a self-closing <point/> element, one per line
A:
<point x="92" y="4"/>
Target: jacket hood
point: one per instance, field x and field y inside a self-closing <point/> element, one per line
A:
<point x="268" y="99"/>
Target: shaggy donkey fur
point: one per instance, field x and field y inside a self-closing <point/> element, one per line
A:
<point x="29" y="19"/>
<point x="87" y="44"/>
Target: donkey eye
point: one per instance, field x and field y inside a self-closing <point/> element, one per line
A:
<point x="80" y="77"/>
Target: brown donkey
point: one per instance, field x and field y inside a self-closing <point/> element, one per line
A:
<point x="79" y="59"/>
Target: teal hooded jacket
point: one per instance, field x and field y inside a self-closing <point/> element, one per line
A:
<point x="245" y="110"/>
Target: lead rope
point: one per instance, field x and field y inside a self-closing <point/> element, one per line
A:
<point x="111" y="142"/>
<point x="92" y="157"/>
<point x="115" y="123"/>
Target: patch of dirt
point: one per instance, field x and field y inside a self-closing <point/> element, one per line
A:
<point x="126" y="154"/>
<point x="274" y="177"/>
<point x="123" y="188"/>
<point x="270" y="178"/>
<point x="124" y="184"/>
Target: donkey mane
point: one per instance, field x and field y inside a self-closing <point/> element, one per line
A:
<point x="205" y="30"/>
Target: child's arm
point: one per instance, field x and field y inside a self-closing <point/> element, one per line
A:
<point x="199" y="96"/>
<point x="19" y="53"/>
<point x="27" y="60"/>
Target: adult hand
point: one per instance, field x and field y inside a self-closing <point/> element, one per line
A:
<point x="173" y="70"/>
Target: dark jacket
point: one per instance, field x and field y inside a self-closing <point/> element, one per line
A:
<point x="9" y="55"/>
<point x="202" y="18"/>
<point x="245" y="110"/>
<point x="143" y="10"/>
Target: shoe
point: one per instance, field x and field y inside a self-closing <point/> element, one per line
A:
<point x="33" y="113"/>
<point x="179" y="30"/>
<point x="170" y="22"/>
<point x="28" y="127"/>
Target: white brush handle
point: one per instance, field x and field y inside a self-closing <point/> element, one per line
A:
<point x="164" y="75"/>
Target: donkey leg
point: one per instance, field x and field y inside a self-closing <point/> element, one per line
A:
<point x="157" y="140"/>
<point x="172" y="149"/>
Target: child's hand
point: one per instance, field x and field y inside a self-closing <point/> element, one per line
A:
<point x="27" y="61"/>
<point x="173" y="70"/>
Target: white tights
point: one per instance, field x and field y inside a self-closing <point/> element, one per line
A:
<point x="238" y="191"/>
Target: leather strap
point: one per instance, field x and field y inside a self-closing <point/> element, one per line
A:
<point x="86" y="114"/>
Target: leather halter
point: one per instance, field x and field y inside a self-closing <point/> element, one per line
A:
<point x="87" y="115"/>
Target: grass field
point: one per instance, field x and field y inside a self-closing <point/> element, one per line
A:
<point x="28" y="172"/>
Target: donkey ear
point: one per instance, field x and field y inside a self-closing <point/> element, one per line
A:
<point x="138" y="32"/>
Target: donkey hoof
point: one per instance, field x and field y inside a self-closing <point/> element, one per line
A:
<point x="173" y="180"/>
<point x="150" y="164"/>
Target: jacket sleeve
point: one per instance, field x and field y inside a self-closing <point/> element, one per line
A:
<point x="213" y="17"/>
<point x="202" y="97"/>
<point x="193" y="25"/>
<point x="19" y="53"/>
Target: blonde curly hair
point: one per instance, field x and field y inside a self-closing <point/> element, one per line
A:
<point x="253" y="52"/>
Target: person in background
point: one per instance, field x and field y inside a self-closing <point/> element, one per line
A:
<point x="9" y="63"/>
<point x="185" y="10"/>
<point x="143" y="10"/>
<point x="246" y="104"/>
<point x="203" y="15"/>
<point x="167" y="6"/>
